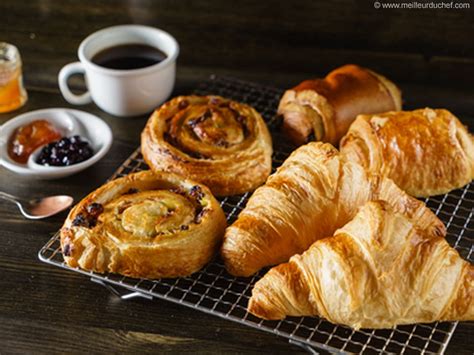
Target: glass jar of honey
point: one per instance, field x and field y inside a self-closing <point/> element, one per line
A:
<point x="12" y="92"/>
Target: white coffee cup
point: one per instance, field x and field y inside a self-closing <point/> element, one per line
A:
<point x="123" y="92"/>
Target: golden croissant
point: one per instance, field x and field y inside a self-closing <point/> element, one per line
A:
<point x="144" y="225"/>
<point x="425" y="152"/>
<point x="378" y="271"/>
<point x="313" y="193"/>
<point x="220" y="143"/>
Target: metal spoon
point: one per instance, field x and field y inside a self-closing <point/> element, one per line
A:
<point x="41" y="207"/>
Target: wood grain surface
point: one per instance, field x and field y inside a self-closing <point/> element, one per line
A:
<point x="43" y="309"/>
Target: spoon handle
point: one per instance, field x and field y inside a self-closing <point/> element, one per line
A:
<point x="11" y="198"/>
<point x="14" y="199"/>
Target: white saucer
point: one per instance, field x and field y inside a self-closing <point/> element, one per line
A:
<point x="89" y="126"/>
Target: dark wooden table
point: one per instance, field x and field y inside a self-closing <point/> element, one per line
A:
<point x="44" y="309"/>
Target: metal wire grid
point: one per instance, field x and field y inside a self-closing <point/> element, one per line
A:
<point x="213" y="291"/>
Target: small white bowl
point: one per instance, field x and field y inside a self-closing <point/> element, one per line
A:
<point x="68" y="122"/>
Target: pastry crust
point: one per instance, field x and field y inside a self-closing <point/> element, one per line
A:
<point x="326" y="107"/>
<point x="144" y="225"/>
<point x="378" y="271"/>
<point x="312" y="194"/>
<point x="218" y="142"/>
<point x="425" y="152"/>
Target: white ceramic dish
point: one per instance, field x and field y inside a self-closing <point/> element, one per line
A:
<point x="68" y="122"/>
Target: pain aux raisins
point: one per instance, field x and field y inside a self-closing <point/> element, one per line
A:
<point x="214" y="100"/>
<point x="241" y="119"/>
<point x="177" y="190"/>
<point x="131" y="191"/>
<point x="84" y="221"/>
<point x="80" y="221"/>
<point x="206" y="115"/>
<point x="89" y="219"/>
<point x="183" y="104"/>
<point x="222" y="143"/>
<point x="94" y="209"/>
<point x="67" y="250"/>
<point x="199" y="213"/>
<point x="196" y="192"/>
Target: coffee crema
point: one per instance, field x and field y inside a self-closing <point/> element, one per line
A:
<point x="128" y="57"/>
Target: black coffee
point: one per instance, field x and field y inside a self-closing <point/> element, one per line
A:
<point x="128" y="56"/>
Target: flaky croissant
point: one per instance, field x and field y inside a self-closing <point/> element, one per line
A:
<point x="312" y="194"/>
<point x="425" y="152"/>
<point x="378" y="271"/>
<point x="221" y="143"/>
<point x="144" y="225"/>
<point x="323" y="109"/>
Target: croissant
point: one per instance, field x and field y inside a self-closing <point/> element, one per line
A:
<point x="313" y="193"/>
<point x="425" y="152"/>
<point x="378" y="271"/>
<point x="144" y="225"/>
<point x="223" y="144"/>
<point x="323" y="109"/>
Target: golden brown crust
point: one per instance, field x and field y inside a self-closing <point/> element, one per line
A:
<point x="378" y="271"/>
<point x="393" y="90"/>
<point x="326" y="107"/>
<point x="149" y="225"/>
<point x="218" y="142"/>
<point x="425" y="152"/>
<point x="312" y="194"/>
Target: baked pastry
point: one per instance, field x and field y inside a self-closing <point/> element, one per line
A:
<point x="144" y="225"/>
<point x="425" y="152"/>
<point x="378" y="271"/>
<point x="221" y="143"/>
<point x="313" y="193"/>
<point x="323" y="109"/>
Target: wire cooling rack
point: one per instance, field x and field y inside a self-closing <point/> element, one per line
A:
<point x="213" y="291"/>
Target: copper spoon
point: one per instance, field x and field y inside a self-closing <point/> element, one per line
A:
<point x="41" y="207"/>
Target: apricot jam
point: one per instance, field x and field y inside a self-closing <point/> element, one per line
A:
<point x="27" y="138"/>
<point x="12" y="92"/>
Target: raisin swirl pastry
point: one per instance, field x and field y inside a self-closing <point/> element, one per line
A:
<point x="144" y="225"/>
<point x="218" y="142"/>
